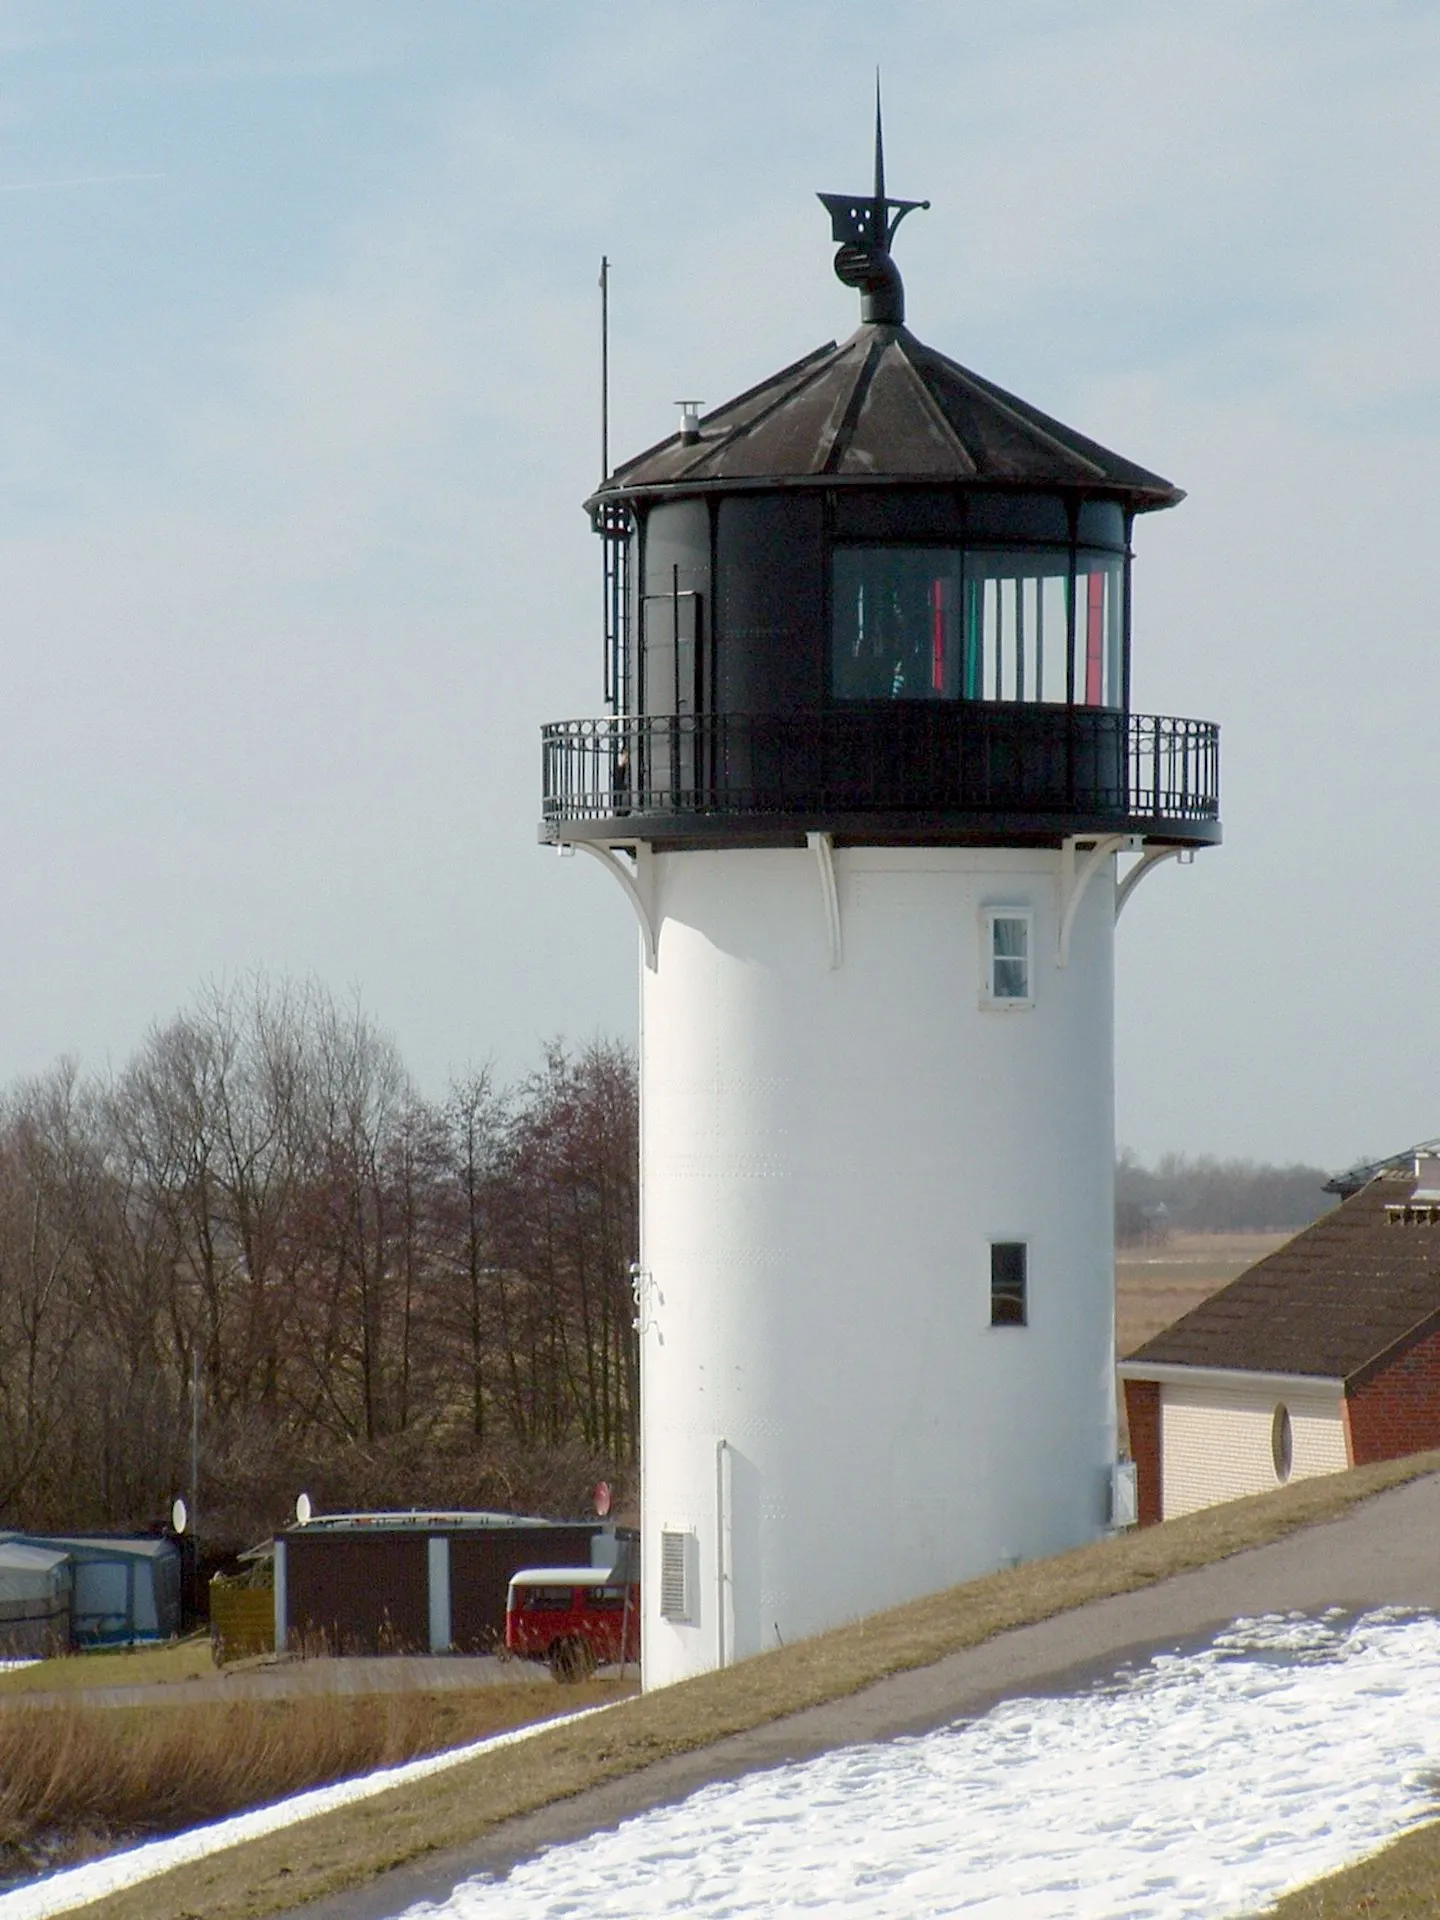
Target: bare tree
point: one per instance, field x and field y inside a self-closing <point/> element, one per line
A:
<point x="45" y="1285"/>
<point x="375" y="1288"/>
<point x="474" y="1120"/>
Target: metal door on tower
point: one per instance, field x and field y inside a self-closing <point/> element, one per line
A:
<point x="674" y="684"/>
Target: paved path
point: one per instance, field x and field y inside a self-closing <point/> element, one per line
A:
<point x="440" y="1673"/>
<point x="1385" y="1552"/>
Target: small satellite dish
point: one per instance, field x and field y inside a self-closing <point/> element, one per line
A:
<point x="602" y="1498"/>
<point x="179" y="1516"/>
<point x="303" y="1509"/>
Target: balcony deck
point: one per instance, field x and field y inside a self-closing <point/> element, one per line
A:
<point x="953" y="773"/>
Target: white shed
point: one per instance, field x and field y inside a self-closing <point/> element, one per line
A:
<point x="35" y="1585"/>
<point x="126" y="1588"/>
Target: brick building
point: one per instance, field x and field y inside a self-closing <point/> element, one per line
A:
<point x="1322" y="1356"/>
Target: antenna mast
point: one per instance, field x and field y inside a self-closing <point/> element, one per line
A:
<point x="604" y="368"/>
<point x="612" y="523"/>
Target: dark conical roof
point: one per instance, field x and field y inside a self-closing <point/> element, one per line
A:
<point x="884" y="406"/>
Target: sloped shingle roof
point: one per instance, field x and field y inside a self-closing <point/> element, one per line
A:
<point x="1333" y="1302"/>
<point x="884" y="405"/>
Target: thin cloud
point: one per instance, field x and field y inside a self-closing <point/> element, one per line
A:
<point x="79" y="180"/>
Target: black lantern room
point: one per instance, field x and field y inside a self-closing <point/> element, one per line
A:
<point x="879" y="597"/>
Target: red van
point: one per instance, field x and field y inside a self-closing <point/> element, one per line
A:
<point x="574" y="1617"/>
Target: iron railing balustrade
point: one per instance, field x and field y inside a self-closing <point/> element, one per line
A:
<point x="964" y="758"/>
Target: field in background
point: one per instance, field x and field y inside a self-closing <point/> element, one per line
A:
<point x="189" y="1659"/>
<point x="1156" y="1284"/>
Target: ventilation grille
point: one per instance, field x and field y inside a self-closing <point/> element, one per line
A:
<point x="674" y="1586"/>
<point x="1413" y="1213"/>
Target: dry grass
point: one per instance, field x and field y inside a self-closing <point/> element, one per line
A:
<point x="352" y="1845"/>
<point x="77" y="1780"/>
<point x="1400" y="1883"/>
<point x="126" y="1667"/>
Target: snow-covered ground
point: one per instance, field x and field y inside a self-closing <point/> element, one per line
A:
<point x="1202" y="1784"/>
<point x="1199" y="1785"/>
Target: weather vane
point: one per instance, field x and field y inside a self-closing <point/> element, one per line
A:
<point x="864" y="230"/>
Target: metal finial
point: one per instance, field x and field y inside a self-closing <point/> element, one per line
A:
<point x="864" y="230"/>
<point x="879" y="145"/>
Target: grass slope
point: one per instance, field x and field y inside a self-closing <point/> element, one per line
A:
<point x="1402" y="1882"/>
<point x="352" y="1845"/>
<point x="78" y="1780"/>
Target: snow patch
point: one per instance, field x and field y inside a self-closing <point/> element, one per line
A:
<point x="1202" y="1784"/>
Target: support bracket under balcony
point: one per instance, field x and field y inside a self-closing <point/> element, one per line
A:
<point x="637" y="883"/>
<point x="823" y="848"/>
<point x="1149" y="859"/>
<point x="1081" y="858"/>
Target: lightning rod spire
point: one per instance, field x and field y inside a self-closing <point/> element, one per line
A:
<point x="864" y="229"/>
<point x="879" y="145"/>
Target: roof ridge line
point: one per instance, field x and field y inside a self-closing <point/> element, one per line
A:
<point x="929" y="401"/>
<point x="850" y="413"/>
<point x="1009" y="404"/>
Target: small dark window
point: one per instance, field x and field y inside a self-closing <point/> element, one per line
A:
<point x="1007" y="1283"/>
<point x="603" y="1597"/>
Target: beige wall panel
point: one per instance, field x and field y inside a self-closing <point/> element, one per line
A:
<point x="1215" y="1443"/>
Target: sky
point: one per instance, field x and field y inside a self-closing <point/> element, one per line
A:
<point x="298" y="382"/>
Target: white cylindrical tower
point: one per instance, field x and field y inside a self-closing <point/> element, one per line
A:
<point x="869" y="771"/>
<point x="877" y="1213"/>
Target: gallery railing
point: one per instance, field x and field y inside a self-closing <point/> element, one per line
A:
<point x="958" y="758"/>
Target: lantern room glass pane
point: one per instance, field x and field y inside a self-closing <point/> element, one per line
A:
<point x="1099" y="629"/>
<point x="896" y="623"/>
<point x="986" y="623"/>
<point x="1016" y="623"/>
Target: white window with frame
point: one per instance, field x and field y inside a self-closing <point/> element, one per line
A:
<point x="1009" y="957"/>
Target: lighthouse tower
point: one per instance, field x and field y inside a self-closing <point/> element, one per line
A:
<point x="868" y="776"/>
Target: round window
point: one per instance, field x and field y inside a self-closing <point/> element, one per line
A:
<point x="1282" y="1442"/>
